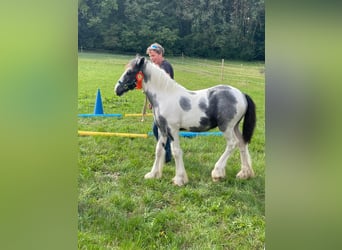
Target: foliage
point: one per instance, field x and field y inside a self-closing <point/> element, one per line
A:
<point x="231" y="29"/>
<point x="119" y="209"/>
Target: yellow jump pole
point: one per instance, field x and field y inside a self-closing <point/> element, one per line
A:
<point x="148" y="114"/>
<point x="112" y="134"/>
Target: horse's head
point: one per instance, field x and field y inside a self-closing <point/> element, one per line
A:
<point x="128" y="80"/>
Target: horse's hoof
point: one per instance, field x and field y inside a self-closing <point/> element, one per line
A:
<point x="217" y="175"/>
<point x="178" y="181"/>
<point x="151" y="175"/>
<point x="217" y="179"/>
<point x="245" y="174"/>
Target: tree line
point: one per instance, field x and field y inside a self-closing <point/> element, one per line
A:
<point x="231" y="29"/>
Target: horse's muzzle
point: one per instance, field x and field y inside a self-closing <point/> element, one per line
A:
<point x="119" y="90"/>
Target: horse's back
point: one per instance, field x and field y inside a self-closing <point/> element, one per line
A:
<point x="202" y="110"/>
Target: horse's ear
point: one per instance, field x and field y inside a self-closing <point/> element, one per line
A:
<point x="140" y="62"/>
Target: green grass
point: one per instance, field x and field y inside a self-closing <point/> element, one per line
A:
<point x="119" y="209"/>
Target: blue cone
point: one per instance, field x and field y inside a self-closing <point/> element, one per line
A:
<point x="98" y="109"/>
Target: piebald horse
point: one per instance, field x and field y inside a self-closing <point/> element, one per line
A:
<point x="175" y="108"/>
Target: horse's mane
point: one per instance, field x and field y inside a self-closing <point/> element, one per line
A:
<point x="164" y="81"/>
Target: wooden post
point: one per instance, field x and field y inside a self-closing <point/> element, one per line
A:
<point x="222" y="69"/>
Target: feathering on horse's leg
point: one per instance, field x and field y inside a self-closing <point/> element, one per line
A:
<point x="157" y="168"/>
<point x="246" y="171"/>
<point x="219" y="171"/>
<point x="246" y="162"/>
<point x="181" y="178"/>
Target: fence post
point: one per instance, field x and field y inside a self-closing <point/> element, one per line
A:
<point x="222" y="69"/>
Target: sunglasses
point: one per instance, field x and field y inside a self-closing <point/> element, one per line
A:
<point x="153" y="46"/>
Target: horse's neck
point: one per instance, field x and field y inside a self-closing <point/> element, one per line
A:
<point x="161" y="82"/>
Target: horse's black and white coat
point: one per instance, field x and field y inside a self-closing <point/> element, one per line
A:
<point x="176" y="108"/>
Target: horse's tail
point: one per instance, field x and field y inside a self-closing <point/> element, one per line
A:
<point x="249" y="120"/>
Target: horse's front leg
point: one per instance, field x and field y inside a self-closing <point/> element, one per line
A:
<point x="157" y="168"/>
<point x="181" y="177"/>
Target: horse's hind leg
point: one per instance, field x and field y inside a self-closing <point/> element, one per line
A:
<point x="246" y="163"/>
<point x="219" y="171"/>
<point x="157" y="168"/>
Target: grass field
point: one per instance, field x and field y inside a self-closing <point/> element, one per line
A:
<point x="119" y="209"/>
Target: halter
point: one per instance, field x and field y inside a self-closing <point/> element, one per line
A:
<point x="136" y="83"/>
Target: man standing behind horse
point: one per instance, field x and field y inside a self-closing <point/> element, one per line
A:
<point x="156" y="54"/>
